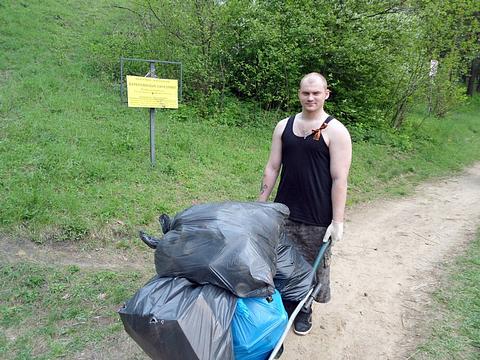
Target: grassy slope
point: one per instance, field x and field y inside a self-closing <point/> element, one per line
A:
<point x="73" y="160"/>
<point x="441" y="146"/>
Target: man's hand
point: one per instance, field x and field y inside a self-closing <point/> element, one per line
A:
<point x="334" y="230"/>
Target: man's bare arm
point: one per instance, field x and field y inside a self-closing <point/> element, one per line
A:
<point x="340" y="148"/>
<point x="274" y="163"/>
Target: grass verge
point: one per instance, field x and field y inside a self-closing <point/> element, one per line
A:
<point x="427" y="148"/>
<point x="455" y="333"/>
<point x="51" y="313"/>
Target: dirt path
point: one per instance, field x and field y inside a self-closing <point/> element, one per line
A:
<point x="385" y="269"/>
<point x="383" y="273"/>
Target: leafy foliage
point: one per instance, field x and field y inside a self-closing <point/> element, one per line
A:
<point x="375" y="55"/>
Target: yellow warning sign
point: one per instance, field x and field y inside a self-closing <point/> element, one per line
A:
<point x="152" y="93"/>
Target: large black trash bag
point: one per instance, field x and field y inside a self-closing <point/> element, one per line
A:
<point x="175" y="319"/>
<point x="294" y="276"/>
<point x="229" y="244"/>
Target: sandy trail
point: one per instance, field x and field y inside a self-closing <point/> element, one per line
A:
<point x="383" y="273"/>
<point x="385" y="269"/>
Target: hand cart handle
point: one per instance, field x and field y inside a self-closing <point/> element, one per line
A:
<point x="308" y="298"/>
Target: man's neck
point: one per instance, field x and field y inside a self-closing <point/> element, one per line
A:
<point x="313" y="115"/>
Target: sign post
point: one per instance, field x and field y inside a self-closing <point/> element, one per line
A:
<point x="151" y="92"/>
<point x="432" y="74"/>
<point x="152" y="122"/>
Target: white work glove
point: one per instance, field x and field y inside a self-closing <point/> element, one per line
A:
<point x="335" y="230"/>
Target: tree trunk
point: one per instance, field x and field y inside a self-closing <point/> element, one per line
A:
<point x="473" y="77"/>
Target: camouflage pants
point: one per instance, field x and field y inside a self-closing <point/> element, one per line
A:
<point x="308" y="239"/>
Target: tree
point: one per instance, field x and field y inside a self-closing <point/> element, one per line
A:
<point x="375" y="55"/>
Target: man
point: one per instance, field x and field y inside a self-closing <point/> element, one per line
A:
<point x="313" y="151"/>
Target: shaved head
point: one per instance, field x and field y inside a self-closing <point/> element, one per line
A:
<point x="313" y="77"/>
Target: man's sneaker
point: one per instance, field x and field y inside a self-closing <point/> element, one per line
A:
<point x="303" y="323"/>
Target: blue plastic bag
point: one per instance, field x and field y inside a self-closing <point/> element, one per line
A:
<point x="257" y="326"/>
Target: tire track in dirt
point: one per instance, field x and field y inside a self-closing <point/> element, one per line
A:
<point x="67" y="253"/>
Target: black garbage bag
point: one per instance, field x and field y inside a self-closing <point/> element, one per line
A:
<point x="294" y="276"/>
<point x="175" y="319"/>
<point x="229" y="244"/>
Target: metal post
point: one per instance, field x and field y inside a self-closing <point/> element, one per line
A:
<point x="181" y="82"/>
<point x="152" y="122"/>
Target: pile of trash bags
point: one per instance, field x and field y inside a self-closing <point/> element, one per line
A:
<point x="223" y="272"/>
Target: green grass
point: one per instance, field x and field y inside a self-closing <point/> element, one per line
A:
<point x="74" y="158"/>
<point x="48" y="313"/>
<point x="455" y="334"/>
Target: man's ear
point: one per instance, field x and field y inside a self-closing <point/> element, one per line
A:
<point x="327" y="94"/>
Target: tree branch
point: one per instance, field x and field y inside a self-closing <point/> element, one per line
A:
<point x="159" y="19"/>
<point x="394" y="8"/>
<point x="125" y="8"/>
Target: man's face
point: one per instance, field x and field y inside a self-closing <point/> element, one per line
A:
<point x="312" y="94"/>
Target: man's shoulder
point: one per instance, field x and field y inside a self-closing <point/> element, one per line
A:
<point x="337" y="125"/>
<point x="282" y="124"/>
<point x="337" y="132"/>
<point x="283" y="121"/>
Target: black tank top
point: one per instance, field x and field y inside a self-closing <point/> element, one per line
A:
<point x="305" y="181"/>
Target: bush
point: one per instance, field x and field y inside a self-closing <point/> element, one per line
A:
<point x="375" y="55"/>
